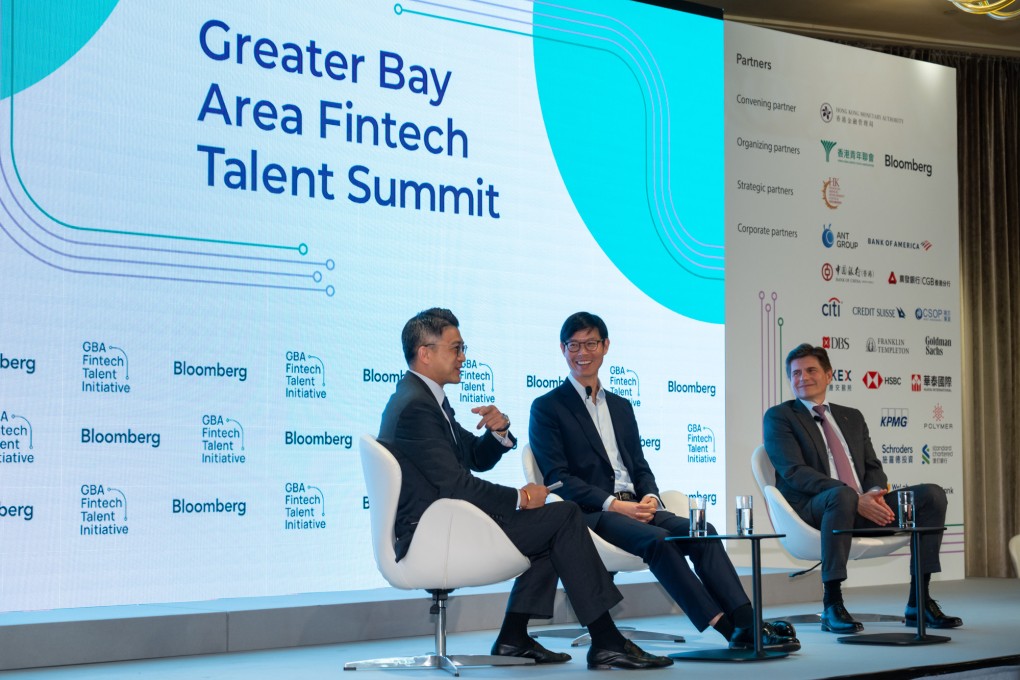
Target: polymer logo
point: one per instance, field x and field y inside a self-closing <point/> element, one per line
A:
<point x="828" y="238"/>
<point x="938" y="416"/>
<point x="832" y="194"/>
<point x="828" y="146"/>
<point x="873" y="380"/>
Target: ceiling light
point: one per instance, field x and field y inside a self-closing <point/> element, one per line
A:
<point x="996" y="9"/>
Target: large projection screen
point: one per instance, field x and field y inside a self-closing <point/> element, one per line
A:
<point x="216" y="217"/>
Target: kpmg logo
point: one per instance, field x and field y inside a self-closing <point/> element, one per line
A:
<point x="872" y="380"/>
<point x="894" y="417"/>
<point x="828" y="146"/>
<point x="835" y="342"/>
<point x="832" y="308"/>
<point x="832" y="194"/>
<point x="828" y="238"/>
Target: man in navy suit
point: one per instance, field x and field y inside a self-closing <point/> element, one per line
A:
<point x="436" y="457"/>
<point x="587" y="438"/>
<point x="827" y="469"/>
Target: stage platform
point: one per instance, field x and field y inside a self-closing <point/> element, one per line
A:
<point x="987" y="646"/>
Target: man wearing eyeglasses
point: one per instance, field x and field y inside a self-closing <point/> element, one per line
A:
<point x="587" y="438"/>
<point x="436" y="457"/>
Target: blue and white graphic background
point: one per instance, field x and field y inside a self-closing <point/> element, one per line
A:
<point x="600" y="128"/>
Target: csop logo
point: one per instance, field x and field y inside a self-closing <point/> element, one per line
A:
<point x="828" y="238"/>
<point x="832" y="308"/>
<point x="872" y="380"/>
<point x="932" y="314"/>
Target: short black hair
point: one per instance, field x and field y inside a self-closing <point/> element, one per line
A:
<point x="582" y="321"/>
<point x="424" y="327"/>
<point x="807" y="350"/>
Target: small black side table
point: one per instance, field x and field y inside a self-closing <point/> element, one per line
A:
<point x="726" y="654"/>
<point x="900" y="639"/>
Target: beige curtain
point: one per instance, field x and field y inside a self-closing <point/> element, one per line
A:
<point x="988" y="133"/>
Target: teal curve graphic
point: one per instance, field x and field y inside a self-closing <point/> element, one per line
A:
<point x="56" y="35"/>
<point x="622" y="186"/>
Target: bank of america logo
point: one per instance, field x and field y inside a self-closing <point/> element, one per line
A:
<point x="828" y="146"/>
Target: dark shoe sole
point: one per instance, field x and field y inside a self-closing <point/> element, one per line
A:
<point x="912" y="623"/>
<point x="848" y="631"/>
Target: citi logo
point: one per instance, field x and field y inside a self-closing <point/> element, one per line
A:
<point x="835" y="342"/>
<point x="894" y="417"/>
<point x="872" y="380"/>
<point x="832" y="307"/>
<point x="915" y="382"/>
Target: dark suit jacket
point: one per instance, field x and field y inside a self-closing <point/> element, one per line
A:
<point x="432" y="466"/>
<point x="796" y="448"/>
<point x="568" y="448"/>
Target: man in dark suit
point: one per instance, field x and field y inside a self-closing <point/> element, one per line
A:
<point x="436" y="457"/>
<point x="827" y="469"/>
<point x="587" y="438"/>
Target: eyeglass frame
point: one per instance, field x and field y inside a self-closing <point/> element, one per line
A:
<point x="590" y="345"/>
<point x="458" y="347"/>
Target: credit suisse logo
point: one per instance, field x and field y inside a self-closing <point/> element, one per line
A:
<point x="873" y="380"/>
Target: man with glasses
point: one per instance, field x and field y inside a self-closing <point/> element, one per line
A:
<point x="587" y="438"/>
<point x="436" y="457"/>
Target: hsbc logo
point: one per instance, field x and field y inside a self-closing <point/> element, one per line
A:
<point x="915" y="382"/>
<point x="835" y="342"/>
<point x="894" y="417"/>
<point x="873" y="380"/>
<point x="893" y="380"/>
<point x="832" y="308"/>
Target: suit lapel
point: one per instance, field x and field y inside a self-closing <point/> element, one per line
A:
<point x="807" y="421"/>
<point x="573" y="402"/>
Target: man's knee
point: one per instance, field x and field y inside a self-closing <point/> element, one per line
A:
<point x="937" y="498"/>
<point x="841" y="504"/>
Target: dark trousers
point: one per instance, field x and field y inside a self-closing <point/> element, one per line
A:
<point x="557" y="541"/>
<point x="837" y="509"/>
<point x="710" y="588"/>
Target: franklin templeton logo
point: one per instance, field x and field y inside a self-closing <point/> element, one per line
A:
<point x="886" y="346"/>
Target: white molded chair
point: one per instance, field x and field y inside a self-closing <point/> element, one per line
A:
<point x="1014" y="552"/>
<point x="455" y="545"/>
<point x="804" y="542"/>
<point x="615" y="560"/>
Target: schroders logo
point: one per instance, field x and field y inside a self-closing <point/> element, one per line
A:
<point x="832" y="308"/>
<point x="894" y="417"/>
<point x="828" y="238"/>
<point x="872" y="380"/>
<point x="835" y="342"/>
<point x="832" y="193"/>
<point x="897" y="454"/>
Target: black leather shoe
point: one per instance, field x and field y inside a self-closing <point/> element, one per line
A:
<point x="631" y="658"/>
<point x="532" y="651"/>
<point x="743" y="638"/>
<point x="836" y="619"/>
<point x="934" y="617"/>
<point x="784" y="628"/>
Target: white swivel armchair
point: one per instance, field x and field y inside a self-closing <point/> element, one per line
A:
<point x="1014" y="552"/>
<point x="804" y="542"/>
<point x="615" y="560"/>
<point x="455" y="545"/>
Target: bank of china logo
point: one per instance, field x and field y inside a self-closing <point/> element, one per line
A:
<point x="925" y="455"/>
<point x="915" y="382"/>
<point x="872" y="380"/>
<point x="828" y="146"/>
<point x="825" y="111"/>
<point x="832" y="195"/>
<point x="827" y="272"/>
<point x="828" y="238"/>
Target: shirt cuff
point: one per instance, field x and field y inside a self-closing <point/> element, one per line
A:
<point x="607" y="503"/>
<point x="505" y="441"/>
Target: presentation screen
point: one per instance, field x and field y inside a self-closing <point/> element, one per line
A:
<point x="216" y="218"/>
